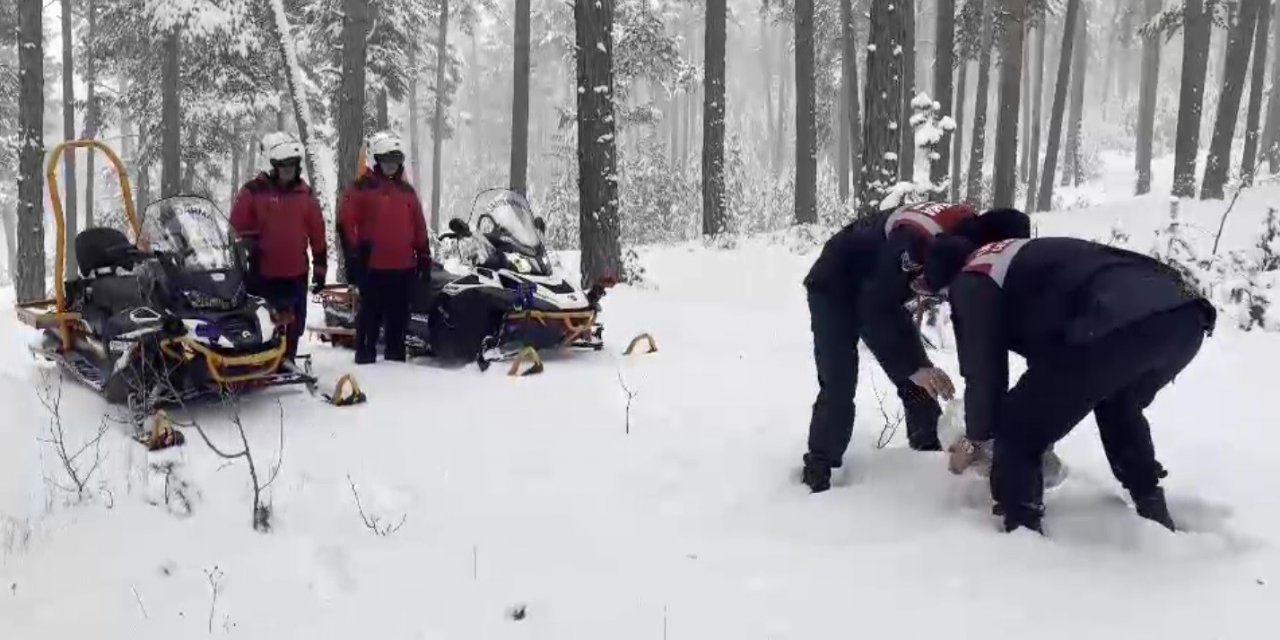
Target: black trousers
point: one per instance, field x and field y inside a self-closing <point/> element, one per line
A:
<point x="286" y="294"/>
<point x="835" y="328"/>
<point x="384" y="308"/>
<point x="1116" y="378"/>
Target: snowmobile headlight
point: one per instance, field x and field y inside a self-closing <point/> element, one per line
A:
<point x="202" y="300"/>
<point x="521" y="263"/>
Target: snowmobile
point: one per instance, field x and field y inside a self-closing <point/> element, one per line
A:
<point x="506" y="303"/>
<point x="163" y="320"/>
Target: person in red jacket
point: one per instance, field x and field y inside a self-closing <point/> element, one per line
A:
<point x="278" y="215"/>
<point x="384" y="235"/>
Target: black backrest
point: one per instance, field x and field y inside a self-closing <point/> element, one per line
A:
<point x="101" y="248"/>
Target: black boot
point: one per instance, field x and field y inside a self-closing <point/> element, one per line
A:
<point x="1021" y="516"/>
<point x="922" y="413"/>
<point x="1152" y="506"/>
<point x="924" y="443"/>
<point x="817" y="477"/>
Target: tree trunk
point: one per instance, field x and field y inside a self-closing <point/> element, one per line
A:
<point x="1044" y="199"/>
<point x="302" y="110"/>
<point x="978" y="150"/>
<point x="1218" y="164"/>
<point x="437" y="125"/>
<point x="905" y="10"/>
<point x="842" y="145"/>
<point x="91" y="116"/>
<point x="520" y="101"/>
<point x="1037" y="115"/>
<point x="1005" y="183"/>
<point x="1195" y="62"/>
<point x="597" y="156"/>
<point x="384" y="110"/>
<point x="250" y="168"/>
<point x="883" y="107"/>
<point x="766" y="63"/>
<point x="235" y="172"/>
<point x="1147" y="101"/>
<point x="1271" y="130"/>
<point x="957" y="163"/>
<point x="785" y="104"/>
<point x="29" y="270"/>
<point x="806" y="117"/>
<point x="1249" y="162"/>
<point x="415" y="115"/>
<point x="943" y="90"/>
<point x="1027" y="65"/>
<point x="351" y="96"/>
<point x="713" y="213"/>
<point x="1080" y="64"/>
<point x="69" y="207"/>
<point x="850" y="149"/>
<point x="171" y="118"/>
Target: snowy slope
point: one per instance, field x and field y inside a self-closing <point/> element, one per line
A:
<point x="530" y="493"/>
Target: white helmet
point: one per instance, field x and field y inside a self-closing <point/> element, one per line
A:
<point x="280" y="146"/>
<point x="384" y="143"/>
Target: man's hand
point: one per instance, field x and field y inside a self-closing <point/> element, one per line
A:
<point x="317" y="281"/>
<point x="934" y="381"/>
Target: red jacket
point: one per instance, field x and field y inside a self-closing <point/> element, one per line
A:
<point x="282" y="221"/>
<point x="383" y="216"/>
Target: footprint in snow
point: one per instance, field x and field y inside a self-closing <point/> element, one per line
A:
<point x="330" y="570"/>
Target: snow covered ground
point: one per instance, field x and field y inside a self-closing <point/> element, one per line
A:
<point x="530" y="495"/>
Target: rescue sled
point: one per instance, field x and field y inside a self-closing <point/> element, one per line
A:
<point x="161" y="320"/>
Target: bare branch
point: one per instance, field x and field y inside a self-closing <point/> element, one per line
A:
<point x="891" y="422"/>
<point x="371" y="521"/>
<point x="214" y="576"/>
<point x="631" y="395"/>
<point x="50" y="396"/>
<point x="275" y="470"/>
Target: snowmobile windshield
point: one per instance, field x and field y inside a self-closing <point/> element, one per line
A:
<point x="191" y="232"/>
<point x="507" y="220"/>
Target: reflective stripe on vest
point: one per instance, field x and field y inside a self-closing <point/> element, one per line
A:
<point x="993" y="260"/>
<point x="929" y="217"/>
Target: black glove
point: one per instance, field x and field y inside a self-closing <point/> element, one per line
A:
<point x="424" y="265"/>
<point x="317" y="280"/>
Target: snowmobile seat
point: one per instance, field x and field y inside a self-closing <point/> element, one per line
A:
<point x="426" y="291"/>
<point x="108" y="302"/>
<point x="103" y="249"/>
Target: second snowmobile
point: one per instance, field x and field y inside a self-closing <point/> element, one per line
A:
<point x="505" y="299"/>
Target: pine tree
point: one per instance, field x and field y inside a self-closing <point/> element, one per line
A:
<point x="942" y="87"/>
<point x="597" y="153"/>
<point x="713" y="206"/>
<point x="883" y="100"/>
<point x="1006" y="165"/>
<point x="520" y="101"/>
<point x="1044" y="200"/>
<point x="1249" y="162"/>
<point x="978" y="149"/>
<point x="1218" y="164"/>
<point x="351" y="97"/>
<point x="29" y="275"/>
<point x="806" y="117"/>
<point x="1195" y="61"/>
<point x="437" y="125"/>
<point x="69" y="206"/>
<point x="1147" y="100"/>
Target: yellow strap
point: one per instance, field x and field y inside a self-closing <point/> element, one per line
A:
<point x="353" y="394"/>
<point x="530" y="354"/>
<point x="653" y="346"/>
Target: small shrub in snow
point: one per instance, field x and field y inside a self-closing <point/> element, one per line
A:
<point x="1250" y="280"/>
<point x="1174" y="247"/>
